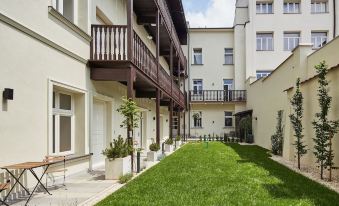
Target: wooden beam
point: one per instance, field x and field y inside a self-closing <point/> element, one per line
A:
<point x="171" y="119"/>
<point x="130" y="30"/>
<point x="157" y="36"/>
<point x="157" y="118"/>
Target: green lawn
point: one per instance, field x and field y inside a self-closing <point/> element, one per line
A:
<point x="221" y="175"/>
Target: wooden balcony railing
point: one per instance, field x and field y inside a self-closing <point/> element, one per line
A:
<point x="109" y="43"/>
<point x="171" y="29"/>
<point x="218" y="95"/>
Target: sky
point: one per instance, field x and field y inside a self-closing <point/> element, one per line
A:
<point x="209" y="13"/>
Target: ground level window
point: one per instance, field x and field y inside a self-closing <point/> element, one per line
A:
<point x="228" y="119"/>
<point x="62" y="123"/>
<point x="261" y="74"/>
<point x="197" y="119"/>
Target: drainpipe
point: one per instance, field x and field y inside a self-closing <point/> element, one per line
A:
<point x="189" y="76"/>
<point x="334" y="20"/>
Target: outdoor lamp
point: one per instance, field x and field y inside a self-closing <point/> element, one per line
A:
<point x="8" y="94"/>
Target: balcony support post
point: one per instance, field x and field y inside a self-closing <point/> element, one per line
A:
<point x="179" y="123"/>
<point x="171" y="66"/>
<point x="157" y="42"/>
<point x="157" y="116"/>
<point x="130" y="30"/>
<point x="171" y="119"/>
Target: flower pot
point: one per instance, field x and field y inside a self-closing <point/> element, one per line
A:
<point x="177" y="144"/>
<point x="117" y="167"/>
<point x="152" y="156"/>
<point x="168" y="148"/>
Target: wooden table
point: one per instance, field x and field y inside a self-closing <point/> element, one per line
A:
<point x="27" y="166"/>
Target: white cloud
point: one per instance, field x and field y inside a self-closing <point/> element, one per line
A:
<point x="220" y="13"/>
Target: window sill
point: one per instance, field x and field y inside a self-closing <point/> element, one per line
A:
<point x="292" y="13"/>
<point x="53" y="12"/>
<point x="264" y="13"/>
<point x="228" y="64"/>
<point x="197" y="128"/>
<point x="228" y="127"/>
<point x="197" y="64"/>
<point x="320" y="12"/>
<point x="264" y="50"/>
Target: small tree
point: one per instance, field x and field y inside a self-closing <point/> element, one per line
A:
<point x="296" y="121"/>
<point x="324" y="129"/>
<point x="129" y="110"/>
<point x="277" y="138"/>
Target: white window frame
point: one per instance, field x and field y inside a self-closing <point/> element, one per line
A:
<point x="318" y="41"/>
<point x="200" y="114"/>
<point x="194" y="54"/>
<point x="199" y="89"/>
<point x="261" y="46"/>
<point x="59" y="6"/>
<point x="262" y="74"/>
<point x="292" y="8"/>
<point x="318" y="7"/>
<point x="229" y="53"/>
<point x="57" y="112"/>
<point x="228" y="117"/>
<point x="292" y="42"/>
<point x="264" y="8"/>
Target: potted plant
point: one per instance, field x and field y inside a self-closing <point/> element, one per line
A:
<point x="118" y="160"/>
<point x="177" y="141"/>
<point x="169" y="145"/>
<point x="152" y="155"/>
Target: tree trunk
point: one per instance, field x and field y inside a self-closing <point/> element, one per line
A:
<point x="298" y="160"/>
<point x="321" y="170"/>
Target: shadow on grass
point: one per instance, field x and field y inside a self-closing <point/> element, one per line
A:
<point x="291" y="185"/>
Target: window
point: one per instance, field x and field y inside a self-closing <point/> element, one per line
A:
<point x="197" y="86"/>
<point x="264" y="8"/>
<point x="197" y="119"/>
<point x="319" y="6"/>
<point x="62" y="123"/>
<point x="66" y="8"/>
<point x="291" y="40"/>
<point x="228" y="56"/>
<point x="291" y="7"/>
<point x="319" y="39"/>
<point x="228" y="84"/>
<point x="264" y="41"/>
<point x="228" y="119"/>
<point x="197" y="56"/>
<point x="261" y="74"/>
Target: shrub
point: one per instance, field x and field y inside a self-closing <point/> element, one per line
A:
<point x="119" y="148"/>
<point x="154" y="147"/>
<point x="200" y="138"/>
<point x="178" y="138"/>
<point x="125" y="178"/>
<point x="169" y="141"/>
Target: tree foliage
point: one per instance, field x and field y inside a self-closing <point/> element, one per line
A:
<point x="277" y="138"/>
<point x="325" y="129"/>
<point x="296" y="121"/>
<point x="130" y="112"/>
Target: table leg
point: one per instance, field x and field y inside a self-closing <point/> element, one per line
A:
<point x="39" y="183"/>
<point x="17" y="180"/>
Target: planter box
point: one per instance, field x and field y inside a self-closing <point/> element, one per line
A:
<point x="178" y="144"/>
<point x="168" y="148"/>
<point x="152" y="156"/>
<point x="118" y="167"/>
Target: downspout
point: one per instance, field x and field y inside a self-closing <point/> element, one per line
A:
<point x="334" y="20"/>
<point x="188" y="82"/>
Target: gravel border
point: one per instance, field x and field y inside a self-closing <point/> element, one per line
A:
<point x="311" y="173"/>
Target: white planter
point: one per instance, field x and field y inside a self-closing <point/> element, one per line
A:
<point x="152" y="156"/>
<point x="118" y="167"/>
<point x="168" y="148"/>
<point x="178" y="144"/>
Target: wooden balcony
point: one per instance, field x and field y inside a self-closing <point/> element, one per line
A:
<point x="217" y="96"/>
<point x="110" y="58"/>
